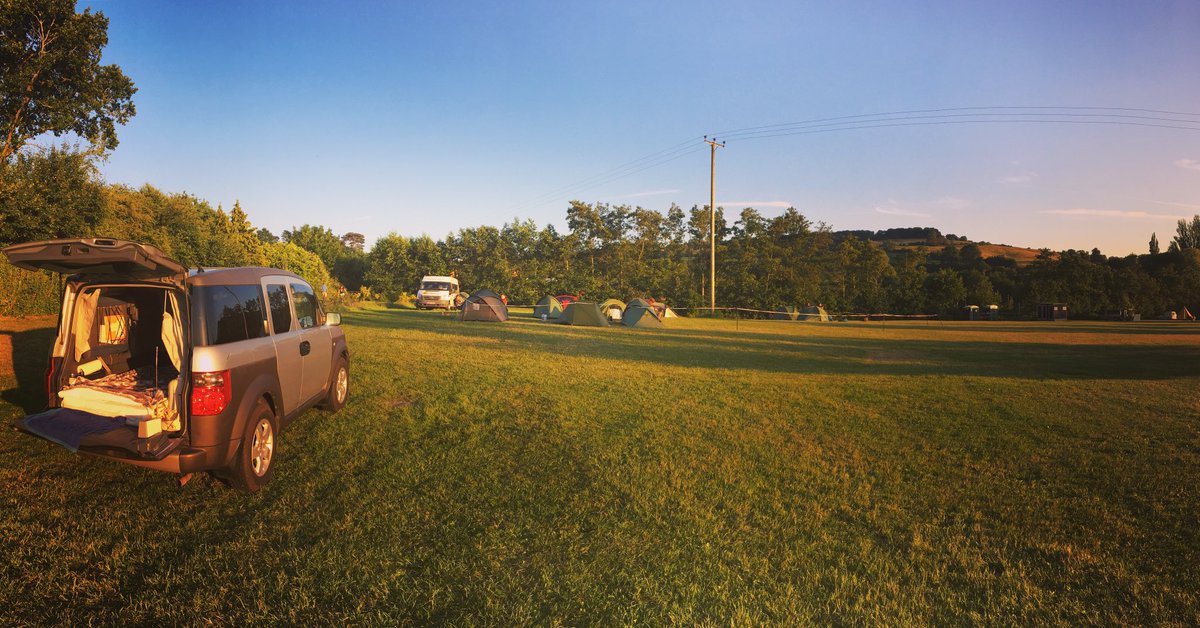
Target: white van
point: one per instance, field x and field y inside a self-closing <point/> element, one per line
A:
<point x="438" y="292"/>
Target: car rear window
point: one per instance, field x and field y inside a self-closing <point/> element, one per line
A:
<point x="227" y="314"/>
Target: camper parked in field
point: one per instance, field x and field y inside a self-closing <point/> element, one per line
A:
<point x="438" y="292"/>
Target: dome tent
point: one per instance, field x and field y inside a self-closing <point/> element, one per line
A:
<point x="549" y="308"/>
<point x="613" y="309"/>
<point x="814" y="313"/>
<point x="585" y="314"/>
<point x="640" y="315"/>
<point x="786" y="313"/>
<point x="484" y="305"/>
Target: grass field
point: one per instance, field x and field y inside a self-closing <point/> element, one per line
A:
<point x="712" y="472"/>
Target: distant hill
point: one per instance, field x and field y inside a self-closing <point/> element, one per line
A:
<point x="932" y="240"/>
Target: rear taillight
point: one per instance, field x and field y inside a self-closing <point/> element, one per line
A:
<point x="211" y="392"/>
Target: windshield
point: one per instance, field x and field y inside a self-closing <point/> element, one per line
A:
<point x="435" y="285"/>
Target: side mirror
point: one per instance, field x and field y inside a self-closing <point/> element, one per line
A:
<point x="333" y="318"/>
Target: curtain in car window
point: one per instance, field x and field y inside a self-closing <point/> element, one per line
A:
<point x="85" y="315"/>
<point x="172" y="330"/>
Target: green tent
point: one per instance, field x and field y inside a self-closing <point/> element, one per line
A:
<point x="638" y="303"/>
<point x="613" y="309"/>
<point x="586" y="314"/>
<point x="484" y="305"/>
<point x="787" y="313"/>
<point x="548" y="308"/>
<point x="638" y="316"/>
<point x="814" y="313"/>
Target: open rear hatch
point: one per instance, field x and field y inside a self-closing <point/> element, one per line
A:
<point x="96" y="257"/>
<point x="119" y="395"/>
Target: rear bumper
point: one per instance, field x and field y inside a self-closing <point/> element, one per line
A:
<point x="183" y="460"/>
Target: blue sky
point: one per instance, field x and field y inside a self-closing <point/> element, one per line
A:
<point x="428" y="117"/>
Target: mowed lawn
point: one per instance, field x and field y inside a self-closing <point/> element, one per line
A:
<point x="710" y="472"/>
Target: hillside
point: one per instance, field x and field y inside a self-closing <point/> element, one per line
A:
<point x="1022" y="256"/>
<point x="932" y="240"/>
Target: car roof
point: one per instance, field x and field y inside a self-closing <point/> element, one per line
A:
<point x="236" y="275"/>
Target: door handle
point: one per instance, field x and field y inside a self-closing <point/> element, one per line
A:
<point x="305" y="348"/>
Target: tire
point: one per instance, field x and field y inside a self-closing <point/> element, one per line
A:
<point x="339" y="387"/>
<point x="258" y="454"/>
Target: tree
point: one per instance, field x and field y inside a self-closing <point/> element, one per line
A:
<point x="265" y="235"/>
<point x="1154" y="243"/>
<point x="54" y="194"/>
<point x="319" y="240"/>
<point x="51" y="79"/>
<point x="1187" y="234"/>
<point x="354" y="241"/>
<point x="945" y="291"/>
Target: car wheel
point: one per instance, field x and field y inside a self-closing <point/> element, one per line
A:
<point x="339" y="386"/>
<point x="257" y="456"/>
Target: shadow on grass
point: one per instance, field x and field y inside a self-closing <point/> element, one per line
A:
<point x="30" y="349"/>
<point x="809" y="353"/>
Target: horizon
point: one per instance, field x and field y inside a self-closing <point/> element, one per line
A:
<point x="426" y="120"/>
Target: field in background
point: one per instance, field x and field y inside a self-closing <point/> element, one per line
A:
<point x="1022" y="256"/>
<point x="715" y="471"/>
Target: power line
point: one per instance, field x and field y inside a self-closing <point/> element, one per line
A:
<point x="1068" y="110"/>
<point x="1111" y="116"/>
<point x="886" y="124"/>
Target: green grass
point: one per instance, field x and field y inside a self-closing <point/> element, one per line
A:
<point x="712" y="472"/>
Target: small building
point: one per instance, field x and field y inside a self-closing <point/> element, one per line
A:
<point x="991" y="313"/>
<point x="971" y="312"/>
<point x="1052" y="311"/>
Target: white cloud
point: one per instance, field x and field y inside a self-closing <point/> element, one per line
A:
<point x="896" y="211"/>
<point x="953" y="202"/>
<point x="1188" y="164"/>
<point x="783" y="204"/>
<point x="1086" y="212"/>
<point x="1024" y="177"/>
<point x="652" y="193"/>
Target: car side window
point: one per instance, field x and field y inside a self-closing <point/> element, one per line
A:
<point x="225" y="314"/>
<point x="281" y="312"/>
<point x="308" y="314"/>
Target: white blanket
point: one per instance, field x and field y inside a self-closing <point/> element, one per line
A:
<point x="103" y="403"/>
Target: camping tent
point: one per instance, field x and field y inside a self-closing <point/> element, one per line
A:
<point x="786" y="313"/>
<point x="669" y="313"/>
<point x="613" y="309"/>
<point x="638" y="303"/>
<point x="640" y="316"/>
<point x="548" y="308"/>
<point x="587" y="314"/>
<point x="484" y="305"/>
<point x="814" y="313"/>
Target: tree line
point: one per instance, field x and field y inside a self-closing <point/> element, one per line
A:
<point x="607" y="251"/>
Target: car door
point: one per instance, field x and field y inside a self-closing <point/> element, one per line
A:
<point x="287" y="337"/>
<point x="317" y="345"/>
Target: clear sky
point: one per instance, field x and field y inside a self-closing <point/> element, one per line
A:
<point x="425" y="117"/>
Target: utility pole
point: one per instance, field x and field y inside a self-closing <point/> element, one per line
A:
<point x="712" y="227"/>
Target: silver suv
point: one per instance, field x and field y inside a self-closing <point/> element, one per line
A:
<point x="177" y="370"/>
